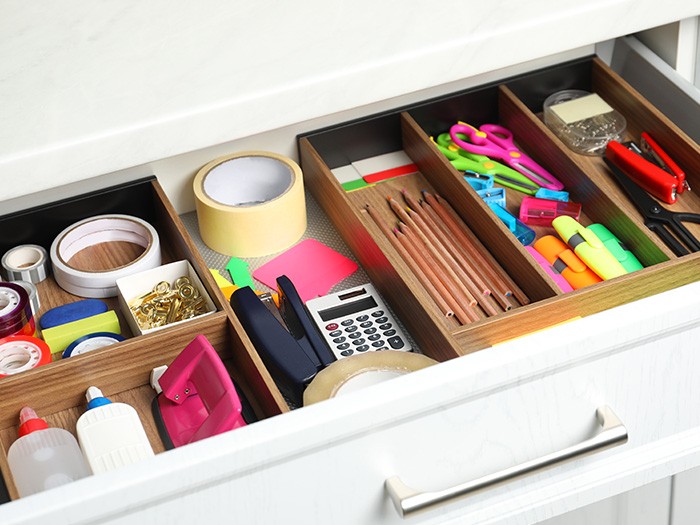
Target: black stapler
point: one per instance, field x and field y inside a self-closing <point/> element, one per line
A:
<point x="287" y="340"/>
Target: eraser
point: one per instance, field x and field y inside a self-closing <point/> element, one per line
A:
<point x="72" y="312"/>
<point x="59" y="337"/>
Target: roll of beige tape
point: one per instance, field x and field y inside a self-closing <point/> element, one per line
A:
<point x="360" y="371"/>
<point x="250" y="204"/>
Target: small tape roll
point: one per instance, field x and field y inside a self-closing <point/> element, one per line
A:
<point x="361" y="370"/>
<point x="31" y="290"/>
<point x="91" y="342"/>
<point x="15" y="310"/>
<point x="59" y="337"/>
<point x="97" y="230"/>
<point x="19" y="353"/>
<point x="27" y="262"/>
<point x="250" y="204"/>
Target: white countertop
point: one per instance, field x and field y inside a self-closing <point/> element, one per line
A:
<point x="88" y="88"/>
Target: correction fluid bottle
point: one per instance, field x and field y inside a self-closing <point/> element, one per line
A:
<point x="111" y="434"/>
<point x="43" y="457"/>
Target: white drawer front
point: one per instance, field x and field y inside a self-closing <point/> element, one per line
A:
<point x="436" y="428"/>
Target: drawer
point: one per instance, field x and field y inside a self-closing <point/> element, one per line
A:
<point x="56" y="390"/>
<point x="516" y="397"/>
<point x="517" y="105"/>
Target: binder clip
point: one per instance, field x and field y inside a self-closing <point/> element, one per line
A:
<point x="196" y="396"/>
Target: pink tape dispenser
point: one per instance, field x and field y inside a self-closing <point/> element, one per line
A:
<point x="196" y="397"/>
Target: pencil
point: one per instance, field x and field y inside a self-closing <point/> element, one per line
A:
<point x="460" y="313"/>
<point x="448" y="278"/>
<point x="505" y="284"/>
<point x="448" y="243"/>
<point x="443" y="260"/>
<point x="415" y="268"/>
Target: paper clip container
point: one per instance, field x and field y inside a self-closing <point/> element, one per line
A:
<point x="541" y="212"/>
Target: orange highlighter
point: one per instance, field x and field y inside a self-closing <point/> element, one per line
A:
<point x="566" y="262"/>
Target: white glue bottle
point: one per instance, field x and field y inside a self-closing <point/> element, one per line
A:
<point x="111" y="434"/>
<point x="43" y="457"/>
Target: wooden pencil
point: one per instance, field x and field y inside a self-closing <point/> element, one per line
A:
<point x="448" y="242"/>
<point x="415" y="268"/>
<point x="456" y="225"/>
<point x="460" y="313"/>
<point x="446" y="275"/>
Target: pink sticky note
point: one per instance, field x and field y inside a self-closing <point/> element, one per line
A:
<point x="313" y="267"/>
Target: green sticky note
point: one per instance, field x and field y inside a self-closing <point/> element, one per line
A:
<point x="238" y="269"/>
<point x="355" y="185"/>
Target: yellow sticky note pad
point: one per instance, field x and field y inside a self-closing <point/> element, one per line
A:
<point x="581" y="108"/>
<point x="59" y="337"/>
<point x="221" y="281"/>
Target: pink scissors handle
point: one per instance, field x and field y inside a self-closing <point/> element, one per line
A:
<point x="496" y="142"/>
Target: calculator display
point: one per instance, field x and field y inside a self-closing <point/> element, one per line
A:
<point x="344" y="310"/>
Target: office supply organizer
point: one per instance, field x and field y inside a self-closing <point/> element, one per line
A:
<point x="517" y="105"/>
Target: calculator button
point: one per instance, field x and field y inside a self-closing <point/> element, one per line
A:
<point x="381" y="320"/>
<point x="346" y="353"/>
<point x="347" y="322"/>
<point x="362" y="348"/>
<point x="395" y="342"/>
<point x="374" y="337"/>
<point x="389" y="333"/>
<point x="351" y="328"/>
<point x="355" y="335"/>
<point x="335" y="333"/>
<point x="366" y="324"/>
<point x="332" y="326"/>
<point x="358" y="342"/>
<point x="343" y="346"/>
<point x="385" y="326"/>
<point x="370" y="330"/>
<point x="378" y="344"/>
<point x="339" y="340"/>
<point x="378" y="313"/>
<point x="362" y="318"/>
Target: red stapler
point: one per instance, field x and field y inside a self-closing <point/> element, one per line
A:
<point x="196" y="396"/>
<point x="650" y="167"/>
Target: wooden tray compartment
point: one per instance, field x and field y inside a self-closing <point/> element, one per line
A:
<point x="57" y="391"/>
<point x="410" y="129"/>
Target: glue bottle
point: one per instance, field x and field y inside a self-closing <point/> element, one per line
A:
<point x="111" y="434"/>
<point x="43" y="457"/>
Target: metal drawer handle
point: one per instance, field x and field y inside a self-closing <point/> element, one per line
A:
<point x="409" y="501"/>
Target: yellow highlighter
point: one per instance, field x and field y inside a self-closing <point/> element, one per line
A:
<point x="588" y="247"/>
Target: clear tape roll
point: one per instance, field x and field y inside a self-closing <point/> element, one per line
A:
<point x="96" y="230"/>
<point x="31" y="290"/>
<point x="250" y="204"/>
<point x="27" y="262"/>
<point x="362" y="370"/>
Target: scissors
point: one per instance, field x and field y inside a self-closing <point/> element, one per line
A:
<point x="496" y="142"/>
<point x="464" y="161"/>
<point x="666" y="224"/>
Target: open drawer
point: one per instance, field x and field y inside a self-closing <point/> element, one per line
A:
<point x="56" y="391"/>
<point x="517" y="105"/>
<point x="464" y="418"/>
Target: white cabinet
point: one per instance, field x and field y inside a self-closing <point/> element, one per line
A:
<point x="439" y="427"/>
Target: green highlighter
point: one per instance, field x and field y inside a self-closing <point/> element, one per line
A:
<point x="627" y="259"/>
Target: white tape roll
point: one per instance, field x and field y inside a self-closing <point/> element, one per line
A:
<point x="96" y="230"/>
<point x="27" y="262"/>
<point x="360" y="371"/>
<point x="250" y="204"/>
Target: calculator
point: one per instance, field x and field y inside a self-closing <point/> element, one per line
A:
<point x="355" y="321"/>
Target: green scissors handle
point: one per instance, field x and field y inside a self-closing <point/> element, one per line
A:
<point x="465" y="161"/>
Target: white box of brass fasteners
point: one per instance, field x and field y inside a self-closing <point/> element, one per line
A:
<point x="164" y="296"/>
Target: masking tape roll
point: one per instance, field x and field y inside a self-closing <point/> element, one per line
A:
<point x="19" y="353"/>
<point x="27" y="262"/>
<point x="362" y="370"/>
<point x="96" y="230"/>
<point x="250" y="204"/>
